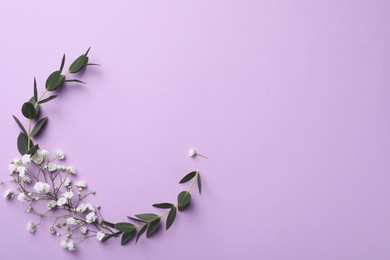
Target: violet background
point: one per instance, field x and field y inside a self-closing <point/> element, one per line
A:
<point x="288" y="99"/>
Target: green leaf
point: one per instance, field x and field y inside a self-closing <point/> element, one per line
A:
<point x="47" y="99"/>
<point x="124" y="227"/>
<point x="107" y="237"/>
<point x="20" y="125"/>
<point x="184" y="198"/>
<point x="163" y="205"/>
<point x="199" y="180"/>
<point x="62" y="63"/>
<point x="109" y="224"/>
<point x="22" y="143"/>
<point x="93" y="64"/>
<point x="35" y="89"/>
<point x="153" y="227"/>
<point x="34" y="102"/>
<point x="140" y="233"/>
<point x="33" y="150"/>
<point x="171" y="217"/>
<point x="28" y="110"/>
<point x="188" y="177"/>
<point x="182" y="208"/>
<point x="127" y="236"/>
<point x="86" y="53"/>
<point x="37" y="128"/>
<point x="148" y="216"/>
<point x="136" y="219"/>
<point x="54" y="81"/>
<point x="75" y="80"/>
<point x="79" y="64"/>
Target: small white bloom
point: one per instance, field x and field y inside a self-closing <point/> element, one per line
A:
<point x="43" y="153"/>
<point x="68" y="194"/>
<point x="100" y="235"/>
<point x="51" y="204"/>
<point x="61" y="167"/>
<point x="192" y="152"/>
<point x="71" y="245"/>
<point x="17" y="161"/>
<point x="64" y="243"/>
<point x="71" y="170"/>
<point x="60" y="155"/>
<point x="42" y="187"/>
<point x="22" y="197"/>
<point x="31" y="227"/>
<point x="29" y="209"/>
<point x="91" y="217"/>
<point x="90" y="207"/>
<point x="21" y="170"/>
<point x="81" y="184"/>
<point x="26" y="179"/>
<point x="61" y="201"/>
<point x="71" y="221"/>
<point x="26" y="159"/>
<point x="12" y="167"/>
<point x="66" y="182"/>
<point x="51" y="167"/>
<point x="8" y="194"/>
<point x="81" y="208"/>
<point x="83" y="230"/>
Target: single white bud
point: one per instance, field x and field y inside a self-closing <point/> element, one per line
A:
<point x="93" y="192"/>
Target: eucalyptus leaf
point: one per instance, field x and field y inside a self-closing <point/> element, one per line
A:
<point x="20" y="124"/>
<point x="47" y="99"/>
<point x="37" y="128"/>
<point x="62" y="64"/>
<point x="136" y="219"/>
<point x="182" y="208"/>
<point x="188" y="177"/>
<point x="140" y="233"/>
<point x="124" y="227"/>
<point x="148" y="216"/>
<point x="171" y="217"/>
<point x="75" y="80"/>
<point x="33" y="150"/>
<point x="127" y="236"/>
<point x="184" y="198"/>
<point x="163" y="205"/>
<point x="54" y="81"/>
<point x="34" y="102"/>
<point x="23" y="143"/>
<point x="28" y="110"/>
<point x="107" y="237"/>
<point x="199" y="180"/>
<point x="109" y="224"/>
<point x="153" y="227"/>
<point x="35" y="89"/>
<point x="78" y="64"/>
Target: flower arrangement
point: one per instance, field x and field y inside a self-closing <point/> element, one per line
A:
<point x="51" y="190"/>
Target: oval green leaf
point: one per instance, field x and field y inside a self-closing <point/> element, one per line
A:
<point x="127" y="236"/>
<point x="184" y="198"/>
<point x="37" y="128"/>
<point x="171" y="218"/>
<point x="124" y="227"/>
<point x="23" y="143"/>
<point x="54" y="81"/>
<point x="188" y="177"/>
<point x="147" y="216"/>
<point x="153" y="227"/>
<point x="29" y="111"/>
<point x="78" y="64"/>
<point x="163" y="205"/>
<point x="141" y="232"/>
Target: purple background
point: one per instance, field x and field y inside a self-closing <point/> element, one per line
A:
<point x="288" y="99"/>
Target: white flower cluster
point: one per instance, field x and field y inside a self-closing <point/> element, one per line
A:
<point x="52" y="182"/>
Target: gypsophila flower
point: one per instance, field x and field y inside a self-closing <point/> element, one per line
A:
<point x="8" y="194"/>
<point x="71" y="245"/>
<point x="51" y="167"/>
<point x="81" y="184"/>
<point x="61" y="167"/>
<point x="61" y="201"/>
<point x="60" y="155"/>
<point x="100" y="235"/>
<point x="64" y="243"/>
<point x="22" y="197"/>
<point x="71" y="221"/>
<point x="26" y="179"/>
<point x="21" y="170"/>
<point x="12" y="167"/>
<point x="191" y="152"/>
<point x="83" y="230"/>
<point x="91" y="217"/>
<point x="26" y="159"/>
<point x="71" y="170"/>
<point x="31" y="227"/>
<point x="42" y="187"/>
<point x="51" y="204"/>
<point x="29" y="209"/>
<point x="66" y="182"/>
<point x="68" y="194"/>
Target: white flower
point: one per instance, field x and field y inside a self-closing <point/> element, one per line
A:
<point x="192" y="152"/>
<point x="26" y="158"/>
<point x="60" y="155"/>
<point x="31" y="227"/>
<point x="68" y="194"/>
<point x="61" y="201"/>
<point x="90" y="207"/>
<point x="100" y="235"/>
<point x="51" y="204"/>
<point x="71" y="221"/>
<point x="21" y="170"/>
<point x="17" y="161"/>
<point x="8" y="194"/>
<point x="21" y="196"/>
<point x="71" y="245"/>
<point x="91" y="217"/>
<point x="12" y="167"/>
<point x="81" y="184"/>
<point x="41" y="187"/>
<point x="61" y="167"/>
<point x="66" y="182"/>
<point x="64" y="243"/>
<point x="83" y="230"/>
<point x="43" y="153"/>
<point x="26" y="179"/>
<point x="71" y="170"/>
<point x="81" y="208"/>
<point x="51" y="167"/>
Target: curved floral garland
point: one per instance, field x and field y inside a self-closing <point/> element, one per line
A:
<point x="41" y="178"/>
